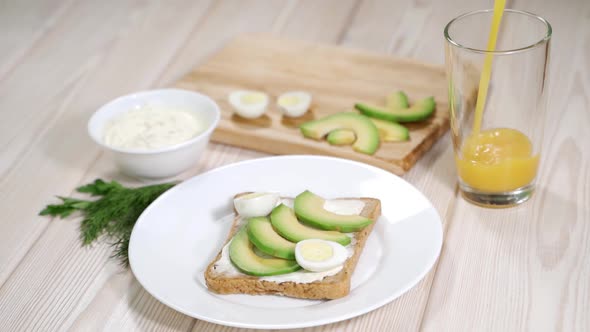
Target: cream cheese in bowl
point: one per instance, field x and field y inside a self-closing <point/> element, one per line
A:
<point x="152" y="128"/>
<point x="157" y="133"/>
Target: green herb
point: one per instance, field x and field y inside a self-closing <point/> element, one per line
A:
<point x="113" y="214"/>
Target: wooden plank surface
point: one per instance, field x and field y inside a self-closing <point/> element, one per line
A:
<point x="533" y="259"/>
<point x="518" y="269"/>
<point x="337" y="78"/>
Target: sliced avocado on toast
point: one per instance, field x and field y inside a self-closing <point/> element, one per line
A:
<point x="285" y="222"/>
<point x="309" y="208"/>
<point x="264" y="237"/>
<point x="367" y="135"/>
<point x="242" y="255"/>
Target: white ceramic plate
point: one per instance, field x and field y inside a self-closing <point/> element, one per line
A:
<point x="177" y="236"/>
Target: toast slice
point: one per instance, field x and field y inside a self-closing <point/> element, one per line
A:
<point x="330" y="287"/>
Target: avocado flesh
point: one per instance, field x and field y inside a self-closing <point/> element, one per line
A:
<point x="391" y="131"/>
<point x="341" y="137"/>
<point x="285" y="222"/>
<point x="242" y="255"/>
<point x="367" y="135"/>
<point x="419" y="111"/>
<point x="264" y="237"/>
<point x="309" y="208"/>
<point x="397" y="100"/>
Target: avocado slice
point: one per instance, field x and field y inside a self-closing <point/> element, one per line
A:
<point x="341" y="137"/>
<point x="397" y="100"/>
<point x="309" y="208"/>
<point x="390" y="131"/>
<point x="419" y="111"/>
<point x="242" y="255"/>
<point x="285" y="222"/>
<point x="367" y="135"/>
<point x="264" y="237"/>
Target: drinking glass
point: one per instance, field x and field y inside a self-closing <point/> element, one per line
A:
<point x="497" y="163"/>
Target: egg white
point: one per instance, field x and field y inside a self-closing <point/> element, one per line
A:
<point x="248" y="111"/>
<point x="338" y="257"/>
<point x="297" y="109"/>
<point x="256" y="204"/>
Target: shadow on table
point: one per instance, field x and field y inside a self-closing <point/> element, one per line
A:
<point x="440" y="162"/>
<point x="542" y="229"/>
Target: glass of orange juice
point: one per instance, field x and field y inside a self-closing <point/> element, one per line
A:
<point x="496" y="65"/>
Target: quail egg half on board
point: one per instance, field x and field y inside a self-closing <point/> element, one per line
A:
<point x="294" y="104"/>
<point x="248" y="104"/>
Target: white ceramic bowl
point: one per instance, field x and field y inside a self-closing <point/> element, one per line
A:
<point x="163" y="162"/>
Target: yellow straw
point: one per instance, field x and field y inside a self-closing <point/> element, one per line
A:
<point x="486" y="74"/>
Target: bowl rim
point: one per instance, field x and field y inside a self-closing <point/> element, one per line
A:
<point x="142" y="94"/>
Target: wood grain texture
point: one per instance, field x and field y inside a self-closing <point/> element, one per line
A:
<point x="102" y="300"/>
<point x="49" y="305"/>
<point x="527" y="268"/>
<point x="519" y="269"/>
<point x="221" y="22"/>
<point x="337" y="78"/>
<point x="379" y="26"/>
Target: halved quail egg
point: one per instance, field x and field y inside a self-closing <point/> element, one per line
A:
<point x="294" y="104"/>
<point x="248" y="104"/>
<point x="320" y="255"/>
<point x="256" y="204"/>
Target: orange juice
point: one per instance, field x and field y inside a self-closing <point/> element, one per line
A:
<point x="497" y="160"/>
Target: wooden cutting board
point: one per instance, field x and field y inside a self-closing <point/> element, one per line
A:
<point x="337" y="78"/>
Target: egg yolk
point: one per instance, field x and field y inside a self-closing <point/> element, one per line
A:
<point x="289" y="100"/>
<point x="252" y="98"/>
<point x="316" y="252"/>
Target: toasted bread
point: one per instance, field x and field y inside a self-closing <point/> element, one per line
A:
<point x="330" y="287"/>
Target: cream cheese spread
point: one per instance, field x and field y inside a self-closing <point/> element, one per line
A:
<point x="152" y="128"/>
<point x="340" y="206"/>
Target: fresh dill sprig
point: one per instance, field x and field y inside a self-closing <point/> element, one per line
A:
<point x="113" y="214"/>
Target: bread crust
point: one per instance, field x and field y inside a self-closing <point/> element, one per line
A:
<point x="331" y="287"/>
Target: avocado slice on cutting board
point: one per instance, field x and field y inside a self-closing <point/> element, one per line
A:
<point x="390" y="131"/>
<point x="367" y="135"/>
<point x="341" y="137"/>
<point x="309" y="208"/>
<point x="397" y="100"/>
<point x="242" y="255"/>
<point x="264" y="237"/>
<point x="285" y="222"/>
<point x="417" y="112"/>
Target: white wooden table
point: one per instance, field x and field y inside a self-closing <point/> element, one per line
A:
<point x="526" y="268"/>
